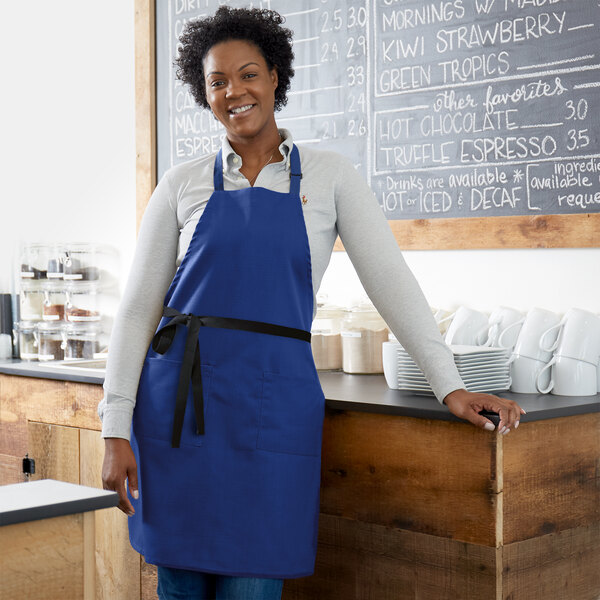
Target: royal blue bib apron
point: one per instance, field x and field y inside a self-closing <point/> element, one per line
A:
<point x="228" y="421"/>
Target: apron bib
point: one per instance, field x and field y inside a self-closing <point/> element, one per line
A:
<point x="228" y="421"/>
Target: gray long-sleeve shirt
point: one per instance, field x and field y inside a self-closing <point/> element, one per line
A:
<point x="336" y="200"/>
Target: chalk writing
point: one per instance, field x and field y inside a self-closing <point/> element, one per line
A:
<point x="449" y="108"/>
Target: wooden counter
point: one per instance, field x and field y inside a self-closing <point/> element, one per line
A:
<point x="432" y="508"/>
<point x="414" y="502"/>
<point x="47" y="539"/>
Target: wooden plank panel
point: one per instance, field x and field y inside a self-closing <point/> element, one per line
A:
<point x="543" y="231"/>
<point x="561" y="566"/>
<point x="145" y="104"/>
<point x="117" y="563"/>
<point x="149" y="581"/>
<point x="447" y="569"/>
<point x="45" y="400"/>
<point x="55" y="450"/>
<point x="363" y="561"/>
<point x="435" y="477"/>
<point x="42" y="560"/>
<point x="11" y="469"/>
<point x="560" y="492"/>
<point x="89" y="560"/>
<point x="13" y="420"/>
<point x="68" y="403"/>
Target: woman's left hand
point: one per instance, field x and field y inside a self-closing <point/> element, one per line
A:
<point x="467" y="405"/>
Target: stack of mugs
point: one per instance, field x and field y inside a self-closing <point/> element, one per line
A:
<point x="573" y="369"/>
<point x="529" y="358"/>
<point x="549" y="354"/>
<point x="473" y="328"/>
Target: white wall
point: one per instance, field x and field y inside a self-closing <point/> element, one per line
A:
<point x="68" y="165"/>
<point x="556" y="279"/>
<point x="67" y="150"/>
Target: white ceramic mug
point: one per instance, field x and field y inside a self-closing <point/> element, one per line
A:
<point x="468" y="327"/>
<point x="524" y="373"/>
<point x="578" y="336"/>
<point x="504" y="326"/>
<point x="570" y="377"/>
<point x="538" y="321"/>
<point x="443" y="318"/>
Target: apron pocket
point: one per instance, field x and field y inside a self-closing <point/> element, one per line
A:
<point x="291" y="415"/>
<point x="155" y="405"/>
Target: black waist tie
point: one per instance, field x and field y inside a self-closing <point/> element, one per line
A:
<point x="190" y="367"/>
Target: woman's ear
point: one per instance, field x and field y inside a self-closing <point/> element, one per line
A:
<point x="274" y="77"/>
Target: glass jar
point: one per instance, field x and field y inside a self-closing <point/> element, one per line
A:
<point x="82" y="302"/>
<point x="90" y="262"/>
<point x="31" y="300"/>
<point x="326" y="339"/>
<point x="363" y="333"/>
<point x="82" y="341"/>
<point x="28" y="346"/>
<point x="50" y="340"/>
<point x="53" y="308"/>
<point x="34" y="259"/>
<point x="55" y="262"/>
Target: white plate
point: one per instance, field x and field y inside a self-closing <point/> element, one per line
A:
<point x="484" y="369"/>
<point x="472" y="387"/>
<point x="487" y="380"/>
<point x="461" y="350"/>
<point x="413" y="369"/>
<point x="466" y="366"/>
<point x="482" y="363"/>
<point x="500" y="378"/>
<point x="466" y="352"/>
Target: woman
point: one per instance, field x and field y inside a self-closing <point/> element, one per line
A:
<point x="224" y="477"/>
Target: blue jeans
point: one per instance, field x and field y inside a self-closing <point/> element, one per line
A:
<point x="178" y="584"/>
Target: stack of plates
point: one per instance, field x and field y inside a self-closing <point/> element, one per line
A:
<point x="482" y="369"/>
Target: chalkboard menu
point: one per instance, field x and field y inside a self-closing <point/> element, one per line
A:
<point x="449" y="108"/>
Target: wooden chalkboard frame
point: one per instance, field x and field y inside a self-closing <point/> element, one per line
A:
<point x="543" y="231"/>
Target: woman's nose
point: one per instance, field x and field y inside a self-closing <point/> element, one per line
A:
<point x="234" y="89"/>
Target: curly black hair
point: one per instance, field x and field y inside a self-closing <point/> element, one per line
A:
<point x="261" y="27"/>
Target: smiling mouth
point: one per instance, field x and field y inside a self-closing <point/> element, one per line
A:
<point x="241" y="109"/>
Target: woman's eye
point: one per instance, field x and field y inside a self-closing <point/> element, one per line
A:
<point x="249" y="75"/>
<point x="216" y="83"/>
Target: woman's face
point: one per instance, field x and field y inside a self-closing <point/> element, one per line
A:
<point x="240" y="89"/>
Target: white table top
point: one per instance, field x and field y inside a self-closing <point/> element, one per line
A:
<point x="47" y="498"/>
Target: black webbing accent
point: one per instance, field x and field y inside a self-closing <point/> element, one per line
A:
<point x="191" y="368"/>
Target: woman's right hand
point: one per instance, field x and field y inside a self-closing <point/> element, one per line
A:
<point x="119" y="465"/>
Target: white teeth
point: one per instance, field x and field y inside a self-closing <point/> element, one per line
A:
<point x="236" y="111"/>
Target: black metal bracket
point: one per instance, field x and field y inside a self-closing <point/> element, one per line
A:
<point x="28" y="466"/>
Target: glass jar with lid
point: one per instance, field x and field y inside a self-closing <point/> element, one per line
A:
<point x="55" y="255"/>
<point x="363" y="333"/>
<point x="53" y="308"/>
<point x="27" y="336"/>
<point x="326" y="339"/>
<point x="34" y="259"/>
<point x="82" y="341"/>
<point x="82" y="302"/>
<point x="50" y="340"/>
<point x="90" y="262"/>
<point x="31" y="300"/>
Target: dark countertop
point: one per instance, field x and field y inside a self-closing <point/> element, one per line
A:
<point x="53" y="370"/>
<point x="370" y="393"/>
<point x="367" y="393"/>
<point x="47" y="498"/>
